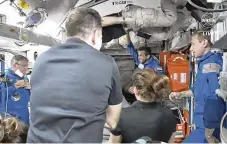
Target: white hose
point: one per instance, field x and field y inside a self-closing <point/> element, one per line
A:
<point x="222" y="127"/>
<point x="205" y="9"/>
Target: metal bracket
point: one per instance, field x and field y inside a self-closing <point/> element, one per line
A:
<point x="16" y="34"/>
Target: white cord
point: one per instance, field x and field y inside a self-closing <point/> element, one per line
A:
<point x="222" y="123"/>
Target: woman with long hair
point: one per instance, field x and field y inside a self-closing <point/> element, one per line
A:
<point x="12" y="130"/>
<point x="147" y="116"/>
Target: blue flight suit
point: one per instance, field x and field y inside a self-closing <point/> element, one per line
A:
<point x="16" y="108"/>
<point x="150" y="64"/>
<point x="209" y="108"/>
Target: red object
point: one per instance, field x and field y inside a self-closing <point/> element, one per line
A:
<point x="178" y="70"/>
<point x="182" y="129"/>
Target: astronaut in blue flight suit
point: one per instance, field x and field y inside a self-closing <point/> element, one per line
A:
<point x="143" y="57"/>
<point x="18" y="89"/>
<point x="209" y="108"/>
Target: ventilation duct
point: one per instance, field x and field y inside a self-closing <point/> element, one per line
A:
<point x="137" y="17"/>
<point x="158" y="34"/>
<point x="180" y="40"/>
<point x="136" y="41"/>
<point x="158" y="24"/>
<point x="180" y="3"/>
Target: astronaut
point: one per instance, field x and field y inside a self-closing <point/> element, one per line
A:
<point x="209" y="108"/>
<point x="143" y="57"/>
<point x="17" y="90"/>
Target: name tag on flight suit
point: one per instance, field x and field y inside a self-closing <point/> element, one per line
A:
<point x="211" y="67"/>
<point x="141" y="66"/>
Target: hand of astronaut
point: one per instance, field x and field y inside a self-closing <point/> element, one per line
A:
<point x="27" y="85"/>
<point x="124" y="40"/>
<point x="179" y="95"/>
<point x="174" y="95"/>
<point x="209" y="137"/>
<point x="107" y="126"/>
<point x="212" y="139"/>
<point x="20" y="84"/>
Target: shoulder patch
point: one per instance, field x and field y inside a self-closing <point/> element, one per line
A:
<point x="158" y="69"/>
<point x="211" y="67"/>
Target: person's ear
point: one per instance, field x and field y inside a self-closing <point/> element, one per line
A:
<point x="148" y="56"/>
<point x="205" y="43"/>
<point x="136" y="91"/>
<point x="14" y="65"/>
<point x="93" y="37"/>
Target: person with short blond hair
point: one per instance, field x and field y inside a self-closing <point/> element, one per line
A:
<point x="209" y="108"/>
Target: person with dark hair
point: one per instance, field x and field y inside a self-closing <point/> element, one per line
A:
<point x="75" y="88"/>
<point x="17" y="90"/>
<point x="147" y="116"/>
<point x="143" y="57"/>
<point x="209" y="108"/>
<point x="12" y="130"/>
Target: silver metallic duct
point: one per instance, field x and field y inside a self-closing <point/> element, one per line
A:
<point x="137" y="17"/>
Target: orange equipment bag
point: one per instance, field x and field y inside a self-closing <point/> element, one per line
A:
<point x="183" y="129"/>
<point x="177" y="68"/>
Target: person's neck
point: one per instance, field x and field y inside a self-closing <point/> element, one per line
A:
<point x="144" y="100"/>
<point x="83" y="39"/>
<point x="207" y="50"/>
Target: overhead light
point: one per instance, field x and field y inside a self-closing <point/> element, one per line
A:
<point x="215" y="1"/>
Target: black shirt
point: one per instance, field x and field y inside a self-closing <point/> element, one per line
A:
<point x="72" y="86"/>
<point x="146" y="119"/>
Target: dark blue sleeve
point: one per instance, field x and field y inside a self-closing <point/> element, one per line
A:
<point x="133" y="53"/>
<point x="10" y="88"/>
<point x="29" y="95"/>
<point x="214" y="106"/>
<point x="156" y="67"/>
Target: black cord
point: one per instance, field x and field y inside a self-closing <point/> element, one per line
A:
<point x="52" y="38"/>
<point x="205" y="9"/>
<point x="19" y="9"/>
